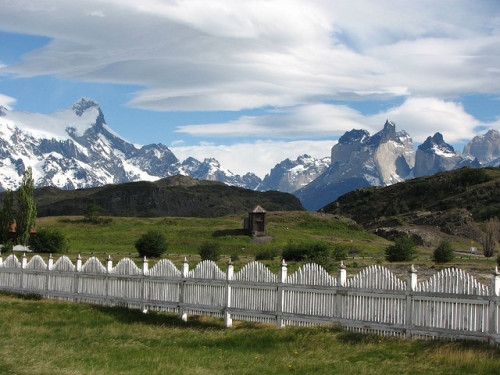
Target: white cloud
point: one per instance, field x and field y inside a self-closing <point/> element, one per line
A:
<point x="234" y="54"/>
<point x="7" y="101"/>
<point x="420" y="117"/>
<point x="258" y="157"/>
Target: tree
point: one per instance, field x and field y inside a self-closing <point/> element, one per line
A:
<point x="26" y="208"/>
<point x="209" y="251"/>
<point x="6" y="216"/>
<point x="48" y="240"/>
<point x="490" y="237"/>
<point x="444" y="252"/>
<point x="404" y="249"/>
<point x="151" y="244"/>
<point x="93" y="212"/>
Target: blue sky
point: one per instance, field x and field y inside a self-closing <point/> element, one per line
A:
<point x="252" y="82"/>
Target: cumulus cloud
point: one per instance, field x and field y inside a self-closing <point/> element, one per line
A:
<point x="258" y="157"/>
<point x="235" y="54"/>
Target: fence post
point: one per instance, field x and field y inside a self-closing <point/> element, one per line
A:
<point x="145" y="272"/>
<point x="109" y="267"/>
<point x="341" y="281"/>
<point x="182" y="287"/>
<point x="280" y="295"/>
<point x="410" y="287"/>
<point x="24" y="263"/>
<point x="78" y="269"/>
<point x="229" y="276"/>
<point x="50" y="265"/>
<point x="493" y="308"/>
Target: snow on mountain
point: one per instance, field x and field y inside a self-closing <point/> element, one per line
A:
<point x="75" y="148"/>
<point x="435" y="155"/>
<point x="486" y="148"/>
<point x="359" y="160"/>
<point x="291" y="175"/>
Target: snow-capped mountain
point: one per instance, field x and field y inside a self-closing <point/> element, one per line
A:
<point x="210" y="169"/>
<point x="74" y="148"/>
<point x="486" y="148"/>
<point x="291" y="175"/>
<point x="435" y="155"/>
<point x="359" y="160"/>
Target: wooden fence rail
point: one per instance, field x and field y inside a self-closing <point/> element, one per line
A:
<point x="451" y="304"/>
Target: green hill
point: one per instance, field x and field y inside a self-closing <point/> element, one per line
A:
<point x="451" y="201"/>
<point x="172" y="196"/>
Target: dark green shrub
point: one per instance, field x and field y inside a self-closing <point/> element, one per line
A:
<point x="266" y="254"/>
<point x="340" y="252"/>
<point x="48" y="240"/>
<point x="404" y="249"/>
<point x="315" y="252"/>
<point x="209" y="251"/>
<point x="444" y="252"/>
<point x="498" y="260"/>
<point x="152" y="244"/>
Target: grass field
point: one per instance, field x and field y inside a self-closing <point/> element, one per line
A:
<point x="54" y="337"/>
<point x="185" y="235"/>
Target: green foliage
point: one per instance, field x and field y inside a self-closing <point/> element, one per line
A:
<point x="8" y="246"/>
<point x="48" y="240"/>
<point x="26" y="208"/>
<point x="312" y="251"/>
<point x="266" y="254"/>
<point x="498" y="260"/>
<point x="93" y="212"/>
<point x="444" y="252"/>
<point x="6" y="216"/>
<point x="404" y="249"/>
<point x="151" y="244"/>
<point x="490" y="237"/>
<point x="209" y="251"/>
<point x="340" y="252"/>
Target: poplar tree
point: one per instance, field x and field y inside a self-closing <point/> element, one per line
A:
<point x="26" y="208"/>
<point x="6" y="216"/>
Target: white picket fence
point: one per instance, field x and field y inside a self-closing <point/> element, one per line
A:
<point x="450" y="304"/>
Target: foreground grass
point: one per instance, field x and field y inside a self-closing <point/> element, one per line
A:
<point x="53" y="337"/>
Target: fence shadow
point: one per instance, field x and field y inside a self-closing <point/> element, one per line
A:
<point x="230" y="232"/>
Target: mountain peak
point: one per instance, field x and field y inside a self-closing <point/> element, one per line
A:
<point x="84" y="104"/>
<point x="3" y="111"/>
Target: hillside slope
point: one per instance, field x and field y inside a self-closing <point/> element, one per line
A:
<point x="172" y="196"/>
<point x="450" y="201"/>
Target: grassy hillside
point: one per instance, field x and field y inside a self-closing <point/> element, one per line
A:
<point x="54" y="337"/>
<point x="185" y="234"/>
<point x="172" y="196"/>
<point x="476" y="190"/>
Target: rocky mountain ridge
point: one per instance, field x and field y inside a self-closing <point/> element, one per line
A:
<point x="75" y="148"/>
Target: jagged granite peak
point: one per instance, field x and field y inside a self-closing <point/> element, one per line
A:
<point x="83" y="104"/>
<point x="359" y="160"/>
<point x="485" y="147"/>
<point x="435" y="155"/>
<point x="3" y="111"/>
<point x="291" y="175"/>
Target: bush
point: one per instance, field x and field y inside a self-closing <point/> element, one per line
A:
<point x="498" y="260"/>
<point x="315" y="252"/>
<point x="404" y="249"/>
<point x="340" y="252"/>
<point x="48" y="240"/>
<point x="152" y="244"/>
<point x="266" y="254"/>
<point x="444" y="252"/>
<point x="209" y="251"/>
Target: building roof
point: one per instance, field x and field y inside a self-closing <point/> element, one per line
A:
<point x="258" y="209"/>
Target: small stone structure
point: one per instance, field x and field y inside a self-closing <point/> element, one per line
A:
<point x="256" y="222"/>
